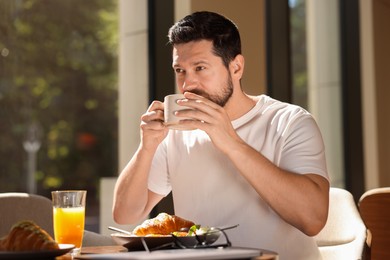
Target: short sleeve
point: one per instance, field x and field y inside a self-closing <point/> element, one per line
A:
<point x="303" y="150"/>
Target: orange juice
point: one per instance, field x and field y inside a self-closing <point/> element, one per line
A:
<point x="69" y="225"/>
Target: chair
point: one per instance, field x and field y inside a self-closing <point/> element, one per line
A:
<point x="15" y="206"/>
<point x="18" y="206"/>
<point x="344" y="233"/>
<point x="374" y="206"/>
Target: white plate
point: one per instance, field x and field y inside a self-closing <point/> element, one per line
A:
<point x="64" y="248"/>
<point x="134" y="243"/>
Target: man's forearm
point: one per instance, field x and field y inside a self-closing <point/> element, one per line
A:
<point x="131" y="189"/>
<point x="300" y="199"/>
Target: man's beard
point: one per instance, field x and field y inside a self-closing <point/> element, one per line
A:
<point x="220" y="98"/>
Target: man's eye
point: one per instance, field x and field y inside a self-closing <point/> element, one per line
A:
<point x="179" y="70"/>
<point x="200" y="68"/>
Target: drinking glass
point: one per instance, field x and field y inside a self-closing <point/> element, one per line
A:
<point x="69" y="217"/>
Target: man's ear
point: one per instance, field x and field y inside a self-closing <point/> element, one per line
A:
<point x="237" y="65"/>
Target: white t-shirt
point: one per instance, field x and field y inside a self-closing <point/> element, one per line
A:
<point x="208" y="189"/>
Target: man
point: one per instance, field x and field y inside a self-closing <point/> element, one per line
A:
<point x="251" y="160"/>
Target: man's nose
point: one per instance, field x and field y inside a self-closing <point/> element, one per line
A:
<point x="190" y="82"/>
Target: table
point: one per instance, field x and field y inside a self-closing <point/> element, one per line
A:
<point x="266" y="255"/>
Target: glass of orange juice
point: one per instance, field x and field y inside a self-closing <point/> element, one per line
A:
<point x="69" y="217"/>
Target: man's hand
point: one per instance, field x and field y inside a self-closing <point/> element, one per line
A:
<point x="210" y="118"/>
<point x="153" y="130"/>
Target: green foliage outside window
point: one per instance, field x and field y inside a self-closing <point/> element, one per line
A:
<point x="299" y="52"/>
<point x="58" y="71"/>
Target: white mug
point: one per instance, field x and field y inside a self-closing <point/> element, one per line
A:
<point x="170" y="107"/>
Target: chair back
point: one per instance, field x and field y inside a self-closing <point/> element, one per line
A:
<point x="344" y="233"/>
<point x="15" y="206"/>
<point x="374" y="206"/>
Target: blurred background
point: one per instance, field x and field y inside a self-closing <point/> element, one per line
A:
<point x="58" y="96"/>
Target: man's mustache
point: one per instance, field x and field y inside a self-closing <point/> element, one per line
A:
<point x="200" y="93"/>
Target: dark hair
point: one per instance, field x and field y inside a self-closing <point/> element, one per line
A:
<point x="208" y="26"/>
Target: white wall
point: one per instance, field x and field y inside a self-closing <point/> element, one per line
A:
<point x="133" y="74"/>
<point x="324" y="81"/>
<point x="133" y="94"/>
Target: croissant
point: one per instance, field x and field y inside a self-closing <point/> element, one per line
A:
<point x="162" y="224"/>
<point x="27" y="236"/>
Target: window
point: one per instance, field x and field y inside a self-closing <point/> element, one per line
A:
<point x="298" y="52"/>
<point x="58" y="97"/>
